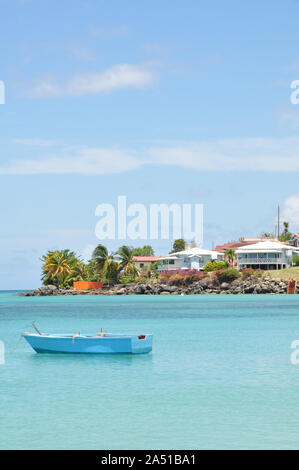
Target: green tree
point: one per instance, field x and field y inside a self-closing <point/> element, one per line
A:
<point x="100" y="255"/>
<point x="230" y="254"/>
<point x="286" y="234"/>
<point x="178" y="245"/>
<point x="111" y="270"/>
<point x="83" y="272"/>
<point x="267" y="235"/>
<point x="104" y="264"/>
<point x="58" y="267"/>
<point x="125" y="256"/>
<point x="296" y="260"/>
<point x="146" y="250"/>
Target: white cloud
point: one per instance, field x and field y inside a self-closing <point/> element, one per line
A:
<point x="267" y="155"/>
<point x="255" y="154"/>
<point x="290" y="211"/>
<point x="109" y="80"/>
<point x="88" y="161"/>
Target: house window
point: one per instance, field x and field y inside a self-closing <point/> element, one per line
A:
<point x="171" y="261"/>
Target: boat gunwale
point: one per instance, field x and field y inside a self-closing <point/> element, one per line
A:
<point x="87" y="337"/>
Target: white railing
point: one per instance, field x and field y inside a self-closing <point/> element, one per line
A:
<point x="260" y="261"/>
<point x="168" y="267"/>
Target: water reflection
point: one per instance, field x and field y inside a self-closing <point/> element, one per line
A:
<point x="113" y="360"/>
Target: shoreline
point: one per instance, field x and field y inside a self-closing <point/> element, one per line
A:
<point x="265" y="285"/>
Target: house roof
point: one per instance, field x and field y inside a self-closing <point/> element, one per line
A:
<point x="150" y="259"/>
<point x="226" y="246"/>
<point x="264" y="247"/>
<point x="192" y="252"/>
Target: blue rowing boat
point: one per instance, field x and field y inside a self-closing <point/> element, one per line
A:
<point x="103" y="343"/>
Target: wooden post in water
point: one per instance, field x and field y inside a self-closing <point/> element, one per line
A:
<point x="292" y="285"/>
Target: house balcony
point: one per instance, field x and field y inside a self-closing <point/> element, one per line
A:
<point x="260" y="261"/>
<point x="170" y="267"/>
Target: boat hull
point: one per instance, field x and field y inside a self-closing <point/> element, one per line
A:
<point x="109" y="344"/>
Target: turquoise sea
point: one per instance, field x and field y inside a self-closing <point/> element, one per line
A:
<point x="219" y="376"/>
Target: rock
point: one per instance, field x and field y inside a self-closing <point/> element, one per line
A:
<point x="224" y="286"/>
<point x="248" y="289"/>
<point x="207" y="285"/>
<point x="140" y="289"/>
<point x="167" y="288"/>
<point x="237" y="290"/>
<point x="121" y="291"/>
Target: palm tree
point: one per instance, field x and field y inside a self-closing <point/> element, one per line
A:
<point x="230" y="254"/>
<point x="104" y="264"/>
<point x="99" y="256"/>
<point x="111" y="270"/>
<point x="125" y="255"/>
<point x="58" y="267"/>
<point x="81" y="272"/>
<point x="286" y="235"/>
<point x="267" y="235"/>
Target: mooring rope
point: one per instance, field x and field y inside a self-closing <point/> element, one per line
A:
<point x="13" y="349"/>
<point x="18" y="342"/>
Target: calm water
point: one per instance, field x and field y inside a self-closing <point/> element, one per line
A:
<point x="219" y="375"/>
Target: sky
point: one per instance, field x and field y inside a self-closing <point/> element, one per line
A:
<point x="185" y="102"/>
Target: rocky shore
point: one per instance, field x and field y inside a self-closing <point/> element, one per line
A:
<point x="206" y="286"/>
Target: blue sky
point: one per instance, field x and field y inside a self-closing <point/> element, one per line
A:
<point x="175" y="102"/>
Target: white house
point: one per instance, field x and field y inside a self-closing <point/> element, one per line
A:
<point x="266" y="255"/>
<point x="194" y="258"/>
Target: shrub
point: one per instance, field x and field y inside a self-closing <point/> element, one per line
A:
<point x="296" y="260"/>
<point x="181" y="277"/>
<point x="250" y="272"/>
<point x="127" y="279"/>
<point x="141" y="278"/>
<point x="215" y="266"/>
<point x="227" y="275"/>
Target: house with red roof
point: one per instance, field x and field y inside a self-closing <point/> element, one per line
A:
<point x="143" y="263"/>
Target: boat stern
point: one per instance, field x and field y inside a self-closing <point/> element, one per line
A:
<point x="142" y="344"/>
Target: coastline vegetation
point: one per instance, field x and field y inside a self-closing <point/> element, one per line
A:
<point x="62" y="267"/>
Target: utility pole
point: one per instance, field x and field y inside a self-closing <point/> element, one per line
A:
<point x="278" y="222"/>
